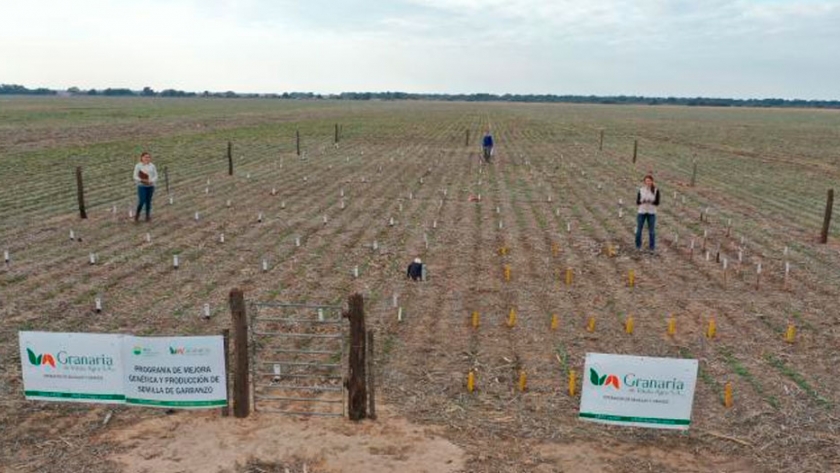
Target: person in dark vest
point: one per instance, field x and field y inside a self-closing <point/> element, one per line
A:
<point x="415" y="270"/>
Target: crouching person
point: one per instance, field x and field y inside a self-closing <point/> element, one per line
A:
<point x="416" y="270"/>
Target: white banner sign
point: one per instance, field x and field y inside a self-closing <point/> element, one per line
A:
<point x="74" y="367"/>
<point x="638" y="391"/>
<point x="172" y="372"/>
<point x="185" y="372"/>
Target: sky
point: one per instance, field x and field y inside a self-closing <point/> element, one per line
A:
<point x="682" y="48"/>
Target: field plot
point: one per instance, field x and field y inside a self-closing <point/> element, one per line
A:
<point x="529" y="263"/>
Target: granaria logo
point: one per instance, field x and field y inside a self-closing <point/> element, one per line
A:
<point x="63" y="358"/>
<point x="188" y="351"/>
<point x="637" y="384"/>
<point x="42" y="359"/>
<point x="605" y="380"/>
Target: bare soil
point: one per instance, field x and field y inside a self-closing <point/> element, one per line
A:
<point x="550" y="197"/>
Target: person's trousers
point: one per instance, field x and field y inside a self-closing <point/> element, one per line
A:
<point x="640" y="222"/>
<point x="144" y="199"/>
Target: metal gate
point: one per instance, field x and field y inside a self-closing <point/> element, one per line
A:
<point x="297" y="355"/>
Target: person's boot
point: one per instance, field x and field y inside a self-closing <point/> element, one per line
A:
<point x="148" y="218"/>
<point x="137" y="217"/>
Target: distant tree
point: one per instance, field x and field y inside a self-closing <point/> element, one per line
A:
<point x="15" y="89"/>
<point x="117" y="92"/>
<point x="176" y="93"/>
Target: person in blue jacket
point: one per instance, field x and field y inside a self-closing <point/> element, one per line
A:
<point x="487" y="146"/>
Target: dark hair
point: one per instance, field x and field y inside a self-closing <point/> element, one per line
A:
<point x="145" y="153"/>
<point x="653" y="186"/>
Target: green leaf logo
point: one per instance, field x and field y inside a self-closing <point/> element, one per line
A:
<point x="595" y="378"/>
<point x="32" y="358"/>
<point x="40" y="360"/>
<point x="598" y="380"/>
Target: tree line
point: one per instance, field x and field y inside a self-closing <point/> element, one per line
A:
<point x="14" y="89"/>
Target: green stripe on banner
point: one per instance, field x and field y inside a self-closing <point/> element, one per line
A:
<point x="152" y="402"/>
<point x="63" y="395"/>
<point x="642" y="420"/>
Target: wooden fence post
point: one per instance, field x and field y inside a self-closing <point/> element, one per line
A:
<point x="297" y="141"/>
<point x="336" y="134"/>
<point x="467" y="141"/>
<point x="230" y="158"/>
<point x="694" y="174"/>
<point x="601" y="142"/>
<point x="226" y="351"/>
<point x="241" y="399"/>
<point x="356" y="382"/>
<point x="829" y="204"/>
<point x="166" y="178"/>
<point x="635" y="150"/>
<point x="80" y="192"/>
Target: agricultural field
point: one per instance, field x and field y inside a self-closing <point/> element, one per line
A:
<point x="545" y="230"/>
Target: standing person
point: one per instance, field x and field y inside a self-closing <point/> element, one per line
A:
<point x="647" y="198"/>
<point x="487" y="146"/>
<point x="145" y="176"/>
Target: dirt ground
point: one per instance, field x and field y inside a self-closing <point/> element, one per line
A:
<point x="187" y="442"/>
<point x="197" y="442"/>
<point x="553" y="198"/>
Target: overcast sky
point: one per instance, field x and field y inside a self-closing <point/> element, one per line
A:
<point x="741" y="48"/>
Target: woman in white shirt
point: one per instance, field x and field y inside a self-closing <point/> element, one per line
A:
<point x="145" y="176"/>
<point x="647" y="198"/>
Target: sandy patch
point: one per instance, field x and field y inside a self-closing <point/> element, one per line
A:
<point x="612" y="456"/>
<point x="204" y="442"/>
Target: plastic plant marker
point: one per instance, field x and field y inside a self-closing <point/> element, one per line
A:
<point x="727" y="395"/>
